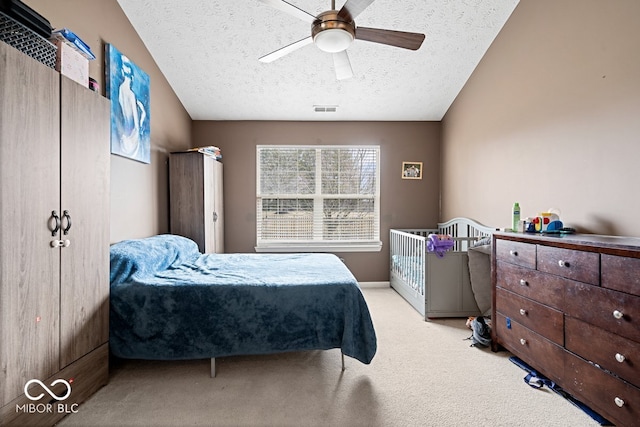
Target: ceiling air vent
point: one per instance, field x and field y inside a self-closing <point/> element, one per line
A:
<point x="325" y="108"/>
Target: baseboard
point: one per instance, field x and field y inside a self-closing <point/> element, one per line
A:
<point x="371" y="285"/>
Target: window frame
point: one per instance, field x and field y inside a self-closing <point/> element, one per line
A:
<point x="318" y="245"/>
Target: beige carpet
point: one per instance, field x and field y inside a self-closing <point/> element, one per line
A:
<point x="424" y="374"/>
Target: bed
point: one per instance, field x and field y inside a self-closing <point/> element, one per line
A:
<point x="170" y="302"/>
<point x="438" y="285"/>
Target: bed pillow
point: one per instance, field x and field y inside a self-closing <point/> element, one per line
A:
<point x="149" y="255"/>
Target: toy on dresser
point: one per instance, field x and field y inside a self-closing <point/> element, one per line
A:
<point x="544" y="222"/>
<point x="547" y="221"/>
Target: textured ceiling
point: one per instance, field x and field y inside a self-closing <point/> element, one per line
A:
<point x="208" y="50"/>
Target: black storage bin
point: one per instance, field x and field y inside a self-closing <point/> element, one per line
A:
<point x="16" y="9"/>
<point x="25" y="40"/>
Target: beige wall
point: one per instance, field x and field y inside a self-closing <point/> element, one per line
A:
<point x="404" y="203"/>
<point x="139" y="192"/>
<point x="551" y="118"/>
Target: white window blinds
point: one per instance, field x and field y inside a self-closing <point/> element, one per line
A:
<point x="318" y="197"/>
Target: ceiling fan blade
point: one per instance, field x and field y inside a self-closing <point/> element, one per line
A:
<point x="342" y="65"/>
<point x="353" y="8"/>
<point x="276" y="54"/>
<point x="402" y="39"/>
<point x="290" y="9"/>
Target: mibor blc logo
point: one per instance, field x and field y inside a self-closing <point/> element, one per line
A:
<point x="47" y="408"/>
<point x="47" y="389"/>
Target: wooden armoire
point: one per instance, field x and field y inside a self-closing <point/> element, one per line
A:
<point x="195" y="197"/>
<point x="54" y="241"/>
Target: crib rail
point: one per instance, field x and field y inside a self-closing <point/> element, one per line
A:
<point x="465" y="232"/>
<point x="408" y="251"/>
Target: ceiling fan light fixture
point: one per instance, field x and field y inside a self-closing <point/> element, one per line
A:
<point x="333" y="40"/>
<point x="333" y="31"/>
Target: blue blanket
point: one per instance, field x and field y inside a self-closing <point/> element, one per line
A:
<point x="170" y="302"/>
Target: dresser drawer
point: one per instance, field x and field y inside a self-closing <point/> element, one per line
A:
<point x="541" y="287"/>
<point x="518" y="253"/>
<point x="611" y="310"/>
<point x="540" y="318"/>
<point x="621" y="273"/>
<point x="612" y="397"/>
<point x="610" y="351"/>
<point x="572" y="264"/>
<point x="535" y="350"/>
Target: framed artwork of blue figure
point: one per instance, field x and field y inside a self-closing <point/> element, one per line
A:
<point x="128" y="89"/>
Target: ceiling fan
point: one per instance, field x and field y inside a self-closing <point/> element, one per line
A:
<point x="333" y="31"/>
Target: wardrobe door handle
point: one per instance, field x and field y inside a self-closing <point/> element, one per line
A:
<point x="67" y="217"/>
<point x="60" y="243"/>
<point x="56" y="218"/>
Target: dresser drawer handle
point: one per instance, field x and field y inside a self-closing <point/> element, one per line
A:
<point x="618" y="314"/>
<point x="523" y="311"/>
<point x="513" y="253"/>
<point x="523" y="282"/>
<point x="562" y="263"/>
<point x="523" y="341"/>
<point x="619" y="402"/>
<point x="620" y="357"/>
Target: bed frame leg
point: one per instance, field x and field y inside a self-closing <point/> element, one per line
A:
<point x="342" y="354"/>
<point x="213" y="367"/>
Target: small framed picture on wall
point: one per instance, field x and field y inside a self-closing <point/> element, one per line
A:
<point x="411" y="170"/>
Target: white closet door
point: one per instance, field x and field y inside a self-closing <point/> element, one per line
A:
<point x="218" y="208"/>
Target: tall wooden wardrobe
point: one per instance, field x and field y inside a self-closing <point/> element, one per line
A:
<point x="195" y="196"/>
<point x="54" y="241"/>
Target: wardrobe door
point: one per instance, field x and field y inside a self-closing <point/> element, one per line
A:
<point x="84" y="302"/>
<point x="218" y="208"/>
<point x="29" y="194"/>
<point x="213" y="213"/>
<point x="187" y="190"/>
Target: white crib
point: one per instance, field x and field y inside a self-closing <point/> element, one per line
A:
<point x="435" y="286"/>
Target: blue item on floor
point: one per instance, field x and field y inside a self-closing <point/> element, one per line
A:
<point x="537" y="380"/>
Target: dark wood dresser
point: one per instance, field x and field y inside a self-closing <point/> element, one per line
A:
<point x="569" y="306"/>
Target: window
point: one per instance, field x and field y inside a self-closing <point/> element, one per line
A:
<point x="318" y="198"/>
